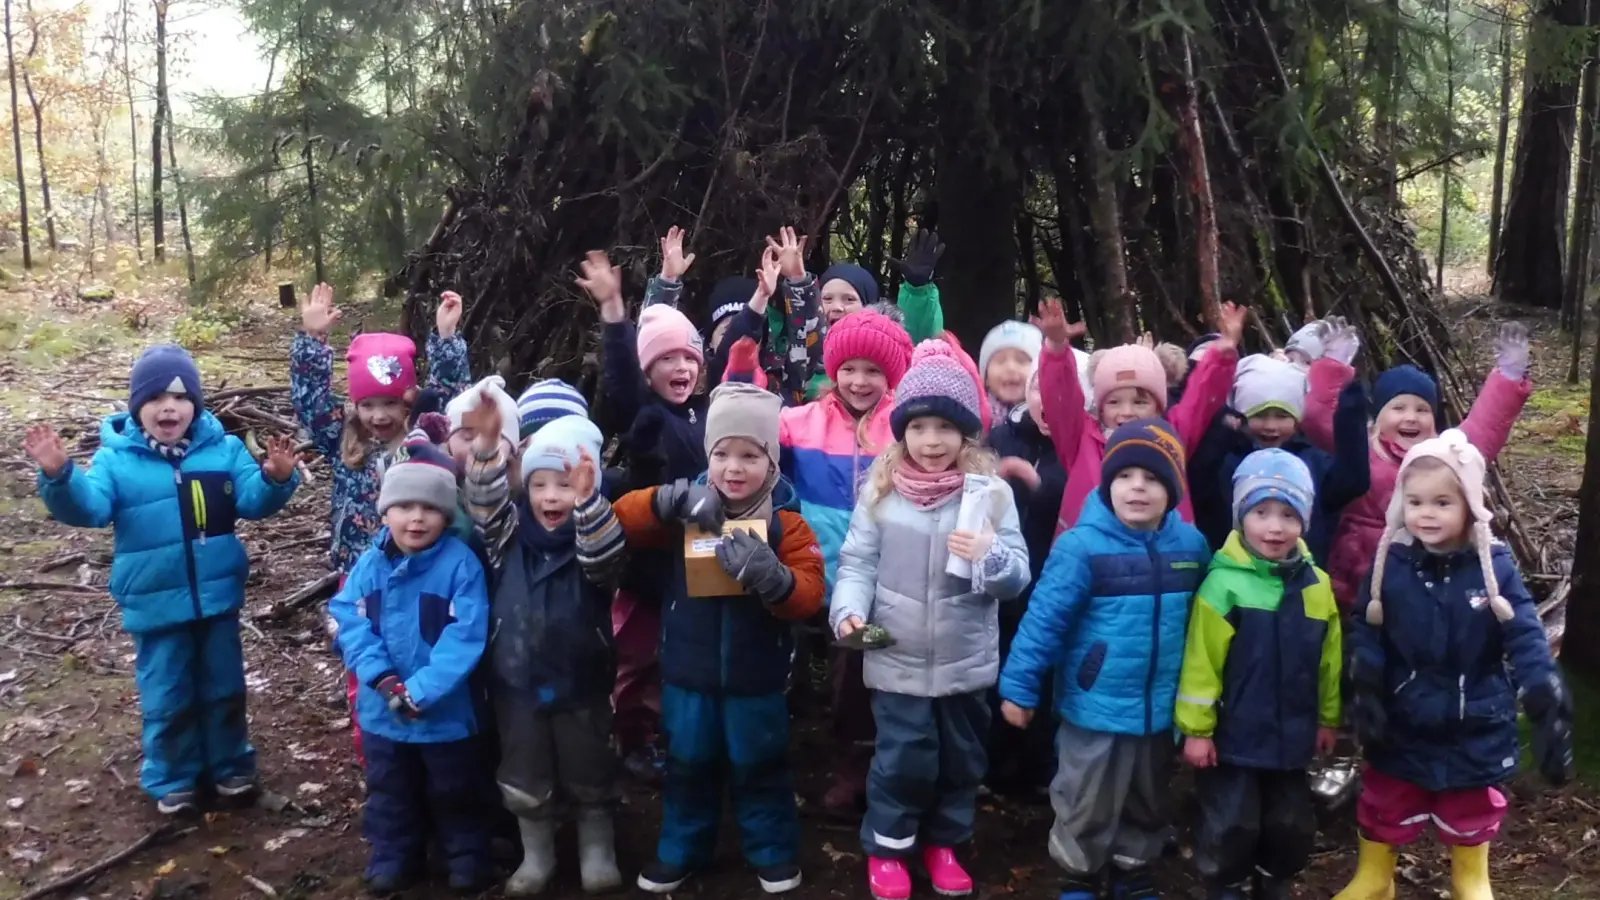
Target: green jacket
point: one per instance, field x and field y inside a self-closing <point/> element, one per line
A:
<point x="1262" y="662"/>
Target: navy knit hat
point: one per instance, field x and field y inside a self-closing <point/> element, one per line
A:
<point x="728" y="296"/>
<point x="864" y="282"/>
<point x="1149" y="444"/>
<point x="1404" y="379"/>
<point x="163" y="368"/>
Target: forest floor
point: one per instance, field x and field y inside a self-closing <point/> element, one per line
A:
<point x="69" y="751"/>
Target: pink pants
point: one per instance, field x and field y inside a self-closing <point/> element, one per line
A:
<point x="636" y="626"/>
<point x="1397" y="812"/>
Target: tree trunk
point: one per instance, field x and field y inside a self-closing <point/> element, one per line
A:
<point x="183" y="206"/>
<point x="1386" y="115"/>
<point x="1502" y="136"/>
<point x="1530" y="268"/>
<point x="310" y="157"/>
<point x="1449" y="144"/>
<point x="1105" y="219"/>
<point x="133" y="126"/>
<point x="1583" y="612"/>
<point x="158" y="225"/>
<point x="16" y="143"/>
<point x="1577" y="284"/>
<point x="1194" y="146"/>
<point x="38" y="128"/>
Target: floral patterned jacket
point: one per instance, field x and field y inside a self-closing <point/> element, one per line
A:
<point x="321" y="414"/>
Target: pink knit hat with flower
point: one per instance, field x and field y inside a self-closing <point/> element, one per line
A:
<point x="870" y="335"/>
<point x="663" y="330"/>
<point x="1129" y="366"/>
<point x="381" y="365"/>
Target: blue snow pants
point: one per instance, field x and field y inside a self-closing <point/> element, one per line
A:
<point x="420" y="791"/>
<point x="926" y="768"/>
<point x="740" y="741"/>
<point x="192" y="699"/>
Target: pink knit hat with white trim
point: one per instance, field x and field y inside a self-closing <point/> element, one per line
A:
<point x="872" y="336"/>
<point x="1129" y="366"/>
<point x="663" y="330"/>
<point x="381" y="365"/>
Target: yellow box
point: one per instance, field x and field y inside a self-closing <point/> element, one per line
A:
<point x="702" y="574"/>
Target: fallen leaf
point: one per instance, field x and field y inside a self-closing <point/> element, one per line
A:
<point x="278" y="842"/>
<point x="837" y="855"/>
<point x="217" y="851"/>
<point x="311" y="787"/>
<point x="8" y="676"/>
<point x="27" y="855"/>
<point x="15" y="803"/>
<point x="22" y="765"/>
<point x="167" y="868"/>
<point x="77" y="785"/>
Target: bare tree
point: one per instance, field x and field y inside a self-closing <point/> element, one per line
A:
<point x="1502" y="137"/>
<point x="16" y="143"/>
<point x="158" y="225"/>
<point x="133" y="123"/>
<point x="183" y="206"/>
<point x="38" y="125"/>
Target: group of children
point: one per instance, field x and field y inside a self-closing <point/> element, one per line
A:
<point x="1006" y="551"/>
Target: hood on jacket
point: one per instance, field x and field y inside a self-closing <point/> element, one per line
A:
<point x="122" y="431"/>
<point x="1097" y="515"/>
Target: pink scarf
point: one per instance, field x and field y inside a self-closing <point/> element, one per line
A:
<point x="927" y="490"/>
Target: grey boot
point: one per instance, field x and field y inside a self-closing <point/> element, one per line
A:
<point x="538" y="858"/>
<point x="597" y="851"/>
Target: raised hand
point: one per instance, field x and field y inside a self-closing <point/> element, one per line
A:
<point x="1052" y="320"/>
<point x="766" y="281"/>
<point x="1341" y="342"/>
<point x="1147" y="341"/>
<point x="317" y="312"/>
<point x="603" y="281"/>
<point x="1511" y="350"/>
<point x="922" y="255"/>
<point x="1230" y="324"/>
<point x="791" y="252"/>
<point x="44" y="445"/>
<point x="280" y="459"/>
<point x="673" y="261"/>
<point x="449" y="314"/>
<point x="484" y="420"/>
<point x="584" y="476"/>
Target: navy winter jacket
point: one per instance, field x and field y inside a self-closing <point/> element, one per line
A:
<point x="1339" y="477"/>
<point x="1018" y="435"/>
<point x="176" y="557"/>
<point x="1451" y="668"/>
<point x="663" y="441"/>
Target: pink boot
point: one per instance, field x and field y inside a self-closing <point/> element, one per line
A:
<point x="888" y="879"/>
<point x="949" y="879"/>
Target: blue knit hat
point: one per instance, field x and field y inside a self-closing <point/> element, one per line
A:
<point x="865" y="283"/>
<point x="163" y="368"/>
<point x="1149" y="444"/>
<point x="1404" y="379"/>
<point x="1272" y="474"/>
<point x="936" y="384"/>
<point x="545" y="401"/>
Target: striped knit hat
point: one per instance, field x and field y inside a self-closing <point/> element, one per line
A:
<point x="545" y="401"/>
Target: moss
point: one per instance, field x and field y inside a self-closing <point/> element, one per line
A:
<point x="1560" y="399"/>
<point x="1571" y="444"/>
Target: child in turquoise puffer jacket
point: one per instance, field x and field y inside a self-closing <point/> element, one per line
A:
<point x="172" y="484"/>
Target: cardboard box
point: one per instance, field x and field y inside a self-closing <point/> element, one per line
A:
<point x="702" y="574"/>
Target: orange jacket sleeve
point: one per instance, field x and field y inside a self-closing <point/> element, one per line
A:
<point x="800" y="552"/>
<point x="636" y="512"/>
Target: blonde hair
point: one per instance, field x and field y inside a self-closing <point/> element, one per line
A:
<point x="355" y="441"/>
<point x="974" y="459"/>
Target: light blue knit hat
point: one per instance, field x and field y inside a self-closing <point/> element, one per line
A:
<point x="1273" y="474"/>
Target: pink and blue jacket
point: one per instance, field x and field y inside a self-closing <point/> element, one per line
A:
<point x="1081" y="442"/>
<point x="1355" y="543"/>
<point x="822" y="458"/>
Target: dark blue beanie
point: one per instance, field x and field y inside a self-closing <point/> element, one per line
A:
<point x="1149" y="444"/>
<point x="728" y="296"/>
<point x="863" y="281"/>
<point x="1405" y="379"/>
<point x="162" y="368"/>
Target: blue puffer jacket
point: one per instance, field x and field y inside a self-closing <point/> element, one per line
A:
<point x="423" y="617"/>
<point x="176" y="556"/>
<point x="1451" y="668"/>
<point x="1109" y="615"/>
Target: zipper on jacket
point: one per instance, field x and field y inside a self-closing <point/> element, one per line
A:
<point x="1402" y="685"/>
<point x="1461" y="691"/>
<point x="1155" y="635"/>
<point x="188" y="547"/>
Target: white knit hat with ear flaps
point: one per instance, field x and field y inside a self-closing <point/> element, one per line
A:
<point x="1454" y="450"/>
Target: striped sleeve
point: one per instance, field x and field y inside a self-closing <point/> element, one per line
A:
<point x="487" y="493"/>
<point x="601" y="541"/>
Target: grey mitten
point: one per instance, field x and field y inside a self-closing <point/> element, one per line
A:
<point x="1511" y="350"/>
<point x="750" y="561"/>
<point x="684" y="501"/>
<point x="1341" y="342"/>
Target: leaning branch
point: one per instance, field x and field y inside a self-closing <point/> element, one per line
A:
<point x="163" y="833"/>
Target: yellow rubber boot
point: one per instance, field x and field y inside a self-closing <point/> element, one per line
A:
<point x="1469" y="873"/>
<point x="1374" y="874"/>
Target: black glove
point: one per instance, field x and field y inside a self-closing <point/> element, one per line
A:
<point x="1549" y="709"/>
<point x="1364" y="707"/>
<point x="922" y="254"/>
<point x="683" y="501"/>
<point x="393" y="691"/>
<point x="750" y="561"/>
